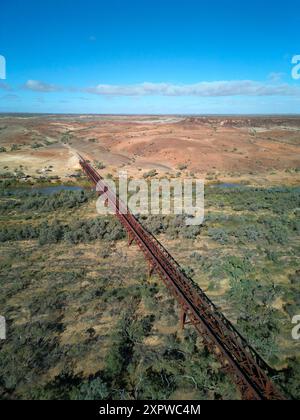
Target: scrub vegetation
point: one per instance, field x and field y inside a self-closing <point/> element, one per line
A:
<point x="85" y="322"/>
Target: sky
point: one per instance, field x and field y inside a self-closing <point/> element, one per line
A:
<point x="150" y="57"/>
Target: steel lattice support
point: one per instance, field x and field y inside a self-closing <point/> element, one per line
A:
<point x="248" y="370"/>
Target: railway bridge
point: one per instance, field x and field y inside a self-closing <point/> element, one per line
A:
<point x="248" y="370"/>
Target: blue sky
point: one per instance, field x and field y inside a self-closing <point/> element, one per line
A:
<point x="149" y="56"/>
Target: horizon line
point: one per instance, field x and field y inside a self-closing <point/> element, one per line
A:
<point x="157" y="114"/>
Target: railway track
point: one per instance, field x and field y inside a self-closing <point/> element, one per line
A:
<point x="248" y="370"/>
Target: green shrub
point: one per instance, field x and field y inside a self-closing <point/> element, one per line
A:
<point x="182" y="167"/>
<point x="95" y="389"/>
<point x="99" y="165"/>
<point x="150" y="174"/>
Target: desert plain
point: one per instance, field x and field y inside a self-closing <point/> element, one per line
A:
<point x="258" y="150"/>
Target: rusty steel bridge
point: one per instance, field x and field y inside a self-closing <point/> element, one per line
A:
<point x="247" y="369"/>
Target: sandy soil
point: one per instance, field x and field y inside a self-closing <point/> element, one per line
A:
<point x="216" y="148"/>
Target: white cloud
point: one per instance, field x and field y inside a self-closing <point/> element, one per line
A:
<point x="202" y="89"/>
<point x="225" y="88"/>
<point x="38" y="86"/>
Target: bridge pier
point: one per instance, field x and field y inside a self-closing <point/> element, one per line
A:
<point x="129" y="239"/>
<point x="150" y="270"/>
<point x="183" y="318"/>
